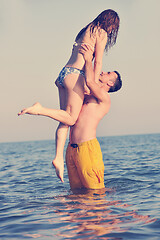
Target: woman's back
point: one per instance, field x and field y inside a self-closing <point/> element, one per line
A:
<point x="76" y="60"/>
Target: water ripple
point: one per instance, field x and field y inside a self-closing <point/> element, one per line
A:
<point x="35" y="204"/>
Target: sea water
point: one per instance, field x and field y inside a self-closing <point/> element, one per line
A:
<point x="34" y="204"/>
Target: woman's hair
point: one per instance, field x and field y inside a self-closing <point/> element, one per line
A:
<point x="108" y="20"/>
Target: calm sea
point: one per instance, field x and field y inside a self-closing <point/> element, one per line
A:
<point x="34" y="204"/>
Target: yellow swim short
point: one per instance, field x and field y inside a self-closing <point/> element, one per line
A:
<point x="85" y="165"/>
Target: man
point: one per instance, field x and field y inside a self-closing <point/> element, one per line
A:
<point x="83" y="155"/>
<point x="85" y="168"/>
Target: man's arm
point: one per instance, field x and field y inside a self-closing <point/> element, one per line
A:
<point x="98" y="92"/>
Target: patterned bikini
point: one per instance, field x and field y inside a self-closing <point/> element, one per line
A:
<point x="69" y="70"/>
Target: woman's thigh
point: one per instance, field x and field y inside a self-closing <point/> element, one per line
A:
<point x="74" y="84"/>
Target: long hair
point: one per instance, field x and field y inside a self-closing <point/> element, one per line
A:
<point x="108" y="20"/>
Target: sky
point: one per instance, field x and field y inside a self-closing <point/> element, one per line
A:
<point x="36" y="38"/>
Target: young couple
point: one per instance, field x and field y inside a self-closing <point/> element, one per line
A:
<point x="84" y="101"/>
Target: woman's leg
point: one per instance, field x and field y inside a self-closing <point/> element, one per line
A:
<point x="74" y="86"/>
<point x="71" y="100"/>
<point x="56" y="114"/>
<point x="60" y="138"/>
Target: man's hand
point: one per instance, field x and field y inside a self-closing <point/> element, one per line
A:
<point x="87" y="52"/>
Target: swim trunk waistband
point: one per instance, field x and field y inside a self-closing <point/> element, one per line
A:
<point x="75" y="145"/>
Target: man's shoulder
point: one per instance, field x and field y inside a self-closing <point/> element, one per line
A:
<point x="103" y="106"/>
<point x="105" y="101"/>
<point x="106" y="98"/>
<point x="91" y="98"/>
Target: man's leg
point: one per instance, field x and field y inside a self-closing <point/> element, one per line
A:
<point x="74" y="179"/>
<point x="90" y="164"/>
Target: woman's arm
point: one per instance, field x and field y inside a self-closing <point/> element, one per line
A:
<point x="98" y="92"/>
<point x="101" y="40"/>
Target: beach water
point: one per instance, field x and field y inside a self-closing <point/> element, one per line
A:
<point x="34" y="204"/>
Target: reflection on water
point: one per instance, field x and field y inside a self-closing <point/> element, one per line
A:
<point x="88" y="213"/>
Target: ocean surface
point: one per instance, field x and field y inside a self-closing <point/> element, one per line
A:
<point x="34" y="204"/>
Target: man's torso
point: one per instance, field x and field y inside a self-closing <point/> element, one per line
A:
<point x="91" y="113"/>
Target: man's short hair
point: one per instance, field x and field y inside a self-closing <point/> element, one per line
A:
<point x="118" y="83"/>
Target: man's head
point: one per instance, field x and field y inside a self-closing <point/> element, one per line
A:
<point x="111" y="81"/>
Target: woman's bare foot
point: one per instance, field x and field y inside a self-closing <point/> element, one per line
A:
<point x="33" y="110"/>
<point x="59" y="166"/>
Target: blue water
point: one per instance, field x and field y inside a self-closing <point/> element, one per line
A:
<point x="34" y="204"/>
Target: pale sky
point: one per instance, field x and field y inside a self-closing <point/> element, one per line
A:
<point x="36" y="38"/>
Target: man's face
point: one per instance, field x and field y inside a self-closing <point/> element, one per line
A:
<point x="107" y="77"/>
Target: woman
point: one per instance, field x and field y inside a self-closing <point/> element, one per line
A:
<point x="100" y="35"/>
